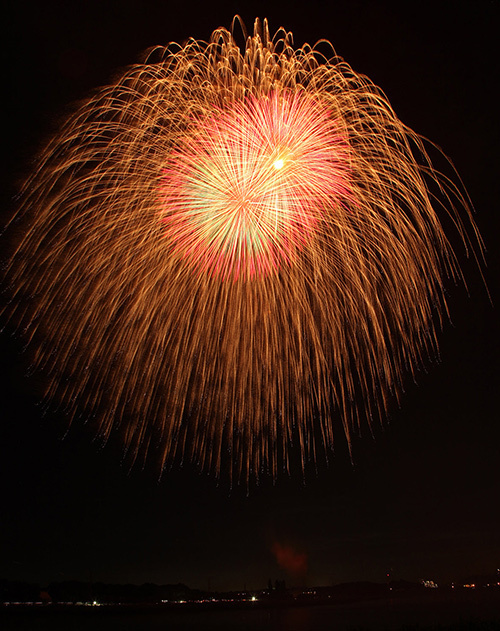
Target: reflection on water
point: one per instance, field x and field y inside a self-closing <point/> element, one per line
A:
<point x="472" y="614"/>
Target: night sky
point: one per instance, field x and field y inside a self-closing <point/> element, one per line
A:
<point x="422" y="498"/>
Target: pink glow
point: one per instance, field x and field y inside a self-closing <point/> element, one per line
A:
<point x="248" y="188"/>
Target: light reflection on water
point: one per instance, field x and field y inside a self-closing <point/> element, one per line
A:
<point x="382" y="615"/>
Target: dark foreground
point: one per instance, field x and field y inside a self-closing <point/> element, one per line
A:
<point x="436" y="611"/>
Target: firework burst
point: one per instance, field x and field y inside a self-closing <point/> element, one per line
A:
<point x="229" y="248"/>
<point x="247" y="190"/>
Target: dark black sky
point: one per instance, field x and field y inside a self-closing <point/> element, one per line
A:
<point x="422" y="499"/>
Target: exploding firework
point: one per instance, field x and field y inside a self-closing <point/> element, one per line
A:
<point x="228" y="249"/>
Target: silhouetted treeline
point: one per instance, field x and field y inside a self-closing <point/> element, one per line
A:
<point x="150" y="593"/>
<point x="78" y="591"/>
<point x="12" y="591"/>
